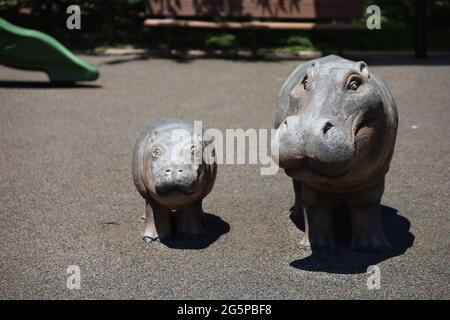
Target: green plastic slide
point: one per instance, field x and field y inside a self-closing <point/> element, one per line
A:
<point x="34" y="50"/>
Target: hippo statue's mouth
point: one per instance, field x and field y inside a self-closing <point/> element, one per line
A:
<point x="172" y="189"/>
<point x="185" y="190"/>
<point x="310" y="168"/>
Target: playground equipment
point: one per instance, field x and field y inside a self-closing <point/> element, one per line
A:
<point x="28" y="49"/>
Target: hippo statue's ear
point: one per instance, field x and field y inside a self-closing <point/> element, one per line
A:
<point x="364" y="69"/>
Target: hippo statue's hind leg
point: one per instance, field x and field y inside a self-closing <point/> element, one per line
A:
<point x="190" y="220"/>
<point x="319" y="222"/>
<point x="157" y="222"/>
<point x="297" y="206"/>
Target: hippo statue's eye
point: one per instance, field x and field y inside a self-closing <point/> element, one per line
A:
<point x="157" y="152"/>
<point x="354" y="84"/>
<point x="195" y="151"/>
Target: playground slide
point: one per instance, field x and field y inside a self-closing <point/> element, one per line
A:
<point x="33" y="50"/>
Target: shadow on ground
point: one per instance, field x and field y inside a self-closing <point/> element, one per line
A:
<point x="45" y="85"/>
<point x="215" y="227"/>
<point x="345" y="261"/>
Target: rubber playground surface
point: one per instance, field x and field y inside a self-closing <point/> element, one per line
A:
<point x="67" y="195"/>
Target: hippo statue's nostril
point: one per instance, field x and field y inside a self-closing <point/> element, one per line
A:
<point x="180" y="170"/>
<point x="167" y="171"/>
<point x="327" y="127"/>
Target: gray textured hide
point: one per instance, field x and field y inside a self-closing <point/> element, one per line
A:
<point x="172" y="173"/>
<point x="336" y="128"/>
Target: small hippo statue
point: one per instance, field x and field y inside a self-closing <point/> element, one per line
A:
<point x="172" y="173"/>
<point x="336" y="129"/>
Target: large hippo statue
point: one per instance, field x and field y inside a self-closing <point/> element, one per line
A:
<point x="172" y="173"/>
<point x="336" y="128"/>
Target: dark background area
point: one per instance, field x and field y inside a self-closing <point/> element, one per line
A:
<point x="119" y="23"/>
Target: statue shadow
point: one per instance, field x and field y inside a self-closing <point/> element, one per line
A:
<point x="214" y="226"/>
<point x="345" y="261"/>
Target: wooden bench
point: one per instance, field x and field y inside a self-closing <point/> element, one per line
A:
<point x="252" y="14"/>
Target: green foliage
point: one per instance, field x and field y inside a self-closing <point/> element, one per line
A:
<point x="225" y="40"/>
<point x="299" y="43"/>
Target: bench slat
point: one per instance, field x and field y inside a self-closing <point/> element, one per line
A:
<point x="284" y="9"/>
<point x="250" y="25"/>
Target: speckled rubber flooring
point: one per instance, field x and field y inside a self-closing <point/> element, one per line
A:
<point x="67" y="196"/>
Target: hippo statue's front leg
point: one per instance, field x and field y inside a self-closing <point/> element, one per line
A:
<point x="318" y="213"/>
<point x="190" y="220"/>
<point x="367" y="229"/>
<point x="157" y="222"/>
<point x="366" y="219"/>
